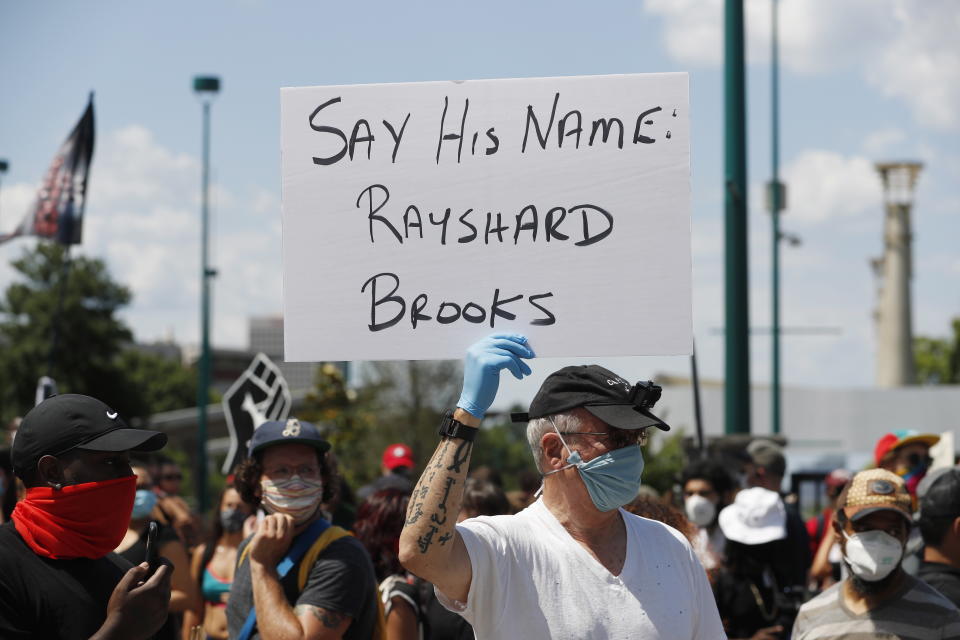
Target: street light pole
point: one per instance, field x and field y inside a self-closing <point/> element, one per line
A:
<point x="206" y="87"/>
<point x="775" y="206"/>
<point x="737" y="319"/>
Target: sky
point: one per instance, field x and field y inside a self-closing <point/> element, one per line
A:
<point x="861" y="81"/>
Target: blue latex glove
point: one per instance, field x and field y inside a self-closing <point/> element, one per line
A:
<point x="481" y="369"/>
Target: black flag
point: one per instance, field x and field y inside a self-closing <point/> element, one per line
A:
<point x="58" y="211"/>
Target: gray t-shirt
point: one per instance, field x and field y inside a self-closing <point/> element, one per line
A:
<point x="341" y="580"/>
<point x="917" y="612"/>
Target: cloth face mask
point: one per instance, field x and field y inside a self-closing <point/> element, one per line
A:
<point x="232" y="520"/>
<point x="872" y="555"/>
<point x="297" y="497"/>
<point x="612" y="479"/>
<point x="85" y="520"/>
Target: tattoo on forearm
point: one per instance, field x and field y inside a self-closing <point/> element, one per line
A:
<point x="330" y="619"/>
<point x="426" y="539"/>
<point x="460" y="456"/>
<point x="417" y="509"/>
<point x="439" y="517"/>
<point x="436" y="517"/>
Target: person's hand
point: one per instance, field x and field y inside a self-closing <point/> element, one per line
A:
<point x="481" y="369"/>
<point x="139" y="603"/>
<point x="250" y="526"/>
<point x="272" y="539"/>
<point x="768" y="633"/>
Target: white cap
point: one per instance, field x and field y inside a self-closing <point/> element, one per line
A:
<point x="757" y="516"/>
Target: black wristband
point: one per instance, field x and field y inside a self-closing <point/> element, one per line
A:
<point x="453" y="428"/>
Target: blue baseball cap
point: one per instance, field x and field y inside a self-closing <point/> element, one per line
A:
<point x="290" y="431"/>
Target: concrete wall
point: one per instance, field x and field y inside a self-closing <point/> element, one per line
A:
<point x="825" y="424"/>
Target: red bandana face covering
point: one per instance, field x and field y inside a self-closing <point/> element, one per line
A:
<point x="79" y="521"/>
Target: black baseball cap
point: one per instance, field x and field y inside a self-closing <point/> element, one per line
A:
<point x="601" y="392"/>
<point x="939" y="493"/>
<point x="72" y="421"/>
<point x="290" y="431"/>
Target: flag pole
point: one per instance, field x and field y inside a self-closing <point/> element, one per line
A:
<point x="58" y="311"/>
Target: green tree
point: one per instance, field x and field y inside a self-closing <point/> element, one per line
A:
<point x="396" y="402"/>
<point x="348" y="418"/>
<point x="91" y="354"/>
<point x="413" y="396"/>
<point x="89" y="335"/>
<point x="662" y="468"/>
<point x="937" y="360"/>
<point x="503" y="447"/>
<point x="162" y="384"/>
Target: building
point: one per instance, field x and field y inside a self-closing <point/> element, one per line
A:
<point x="266" y="336"/>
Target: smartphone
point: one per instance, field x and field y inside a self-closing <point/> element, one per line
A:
<point x="152" y="546"/>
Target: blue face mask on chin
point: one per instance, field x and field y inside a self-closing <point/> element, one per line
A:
<point x="612" y="479"/>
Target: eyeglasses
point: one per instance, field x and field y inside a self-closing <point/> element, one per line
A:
<point x="170" y="477"/>
<point x="283" y="471"/>
<point x="618" y="438"/>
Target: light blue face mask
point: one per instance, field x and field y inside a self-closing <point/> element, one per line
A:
<point x="143" y="503"/>
<point x="612" y="479"/>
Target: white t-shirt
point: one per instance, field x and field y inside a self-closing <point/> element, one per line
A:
<point x="533" y="581"/>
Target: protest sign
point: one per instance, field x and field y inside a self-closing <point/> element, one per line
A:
<point x="420" y="217"/>
<point x="258" y="395"/>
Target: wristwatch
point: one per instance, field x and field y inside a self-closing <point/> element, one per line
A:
<point x="453" y="428"/>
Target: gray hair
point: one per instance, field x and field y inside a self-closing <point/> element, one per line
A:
<point x="537" y="427"/>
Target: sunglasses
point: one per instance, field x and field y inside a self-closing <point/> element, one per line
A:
<point x="172" y="476"/>
<point x="617" y="438"/>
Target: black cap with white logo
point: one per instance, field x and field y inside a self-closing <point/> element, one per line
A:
<point x="73" y="421"/>
<point x="601" y="392"/>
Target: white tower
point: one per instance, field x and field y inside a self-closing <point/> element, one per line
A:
<point x="894" y="270"/>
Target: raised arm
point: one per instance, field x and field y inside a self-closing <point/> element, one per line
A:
<point x="430" y="546"/>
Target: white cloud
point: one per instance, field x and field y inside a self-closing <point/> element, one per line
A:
<point x="905" y="48"/>
<point x="883" y="141"/>
<point x="922" y="64"/>
<point x="823" y="185"/>
<point x="15" y="200"/>
<point x="814" y="35"/>
<point x="691" y="31"/>
<point x="143" y="218"/>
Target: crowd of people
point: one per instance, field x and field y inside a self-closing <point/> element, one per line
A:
<point x="582" y="550"/>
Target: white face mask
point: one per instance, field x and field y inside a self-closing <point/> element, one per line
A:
<point x="872" y="555"/>
<point x="699" y="510"/>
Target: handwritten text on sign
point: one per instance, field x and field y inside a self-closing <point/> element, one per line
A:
<point x="420" y="217"/>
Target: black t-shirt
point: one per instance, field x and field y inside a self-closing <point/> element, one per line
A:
<point x="943" y="578"/>
<point x="51" y="599"/>
<point x="793" y="560"/>
<point x="341" y="580"/>
<point x="741" y="612"/>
